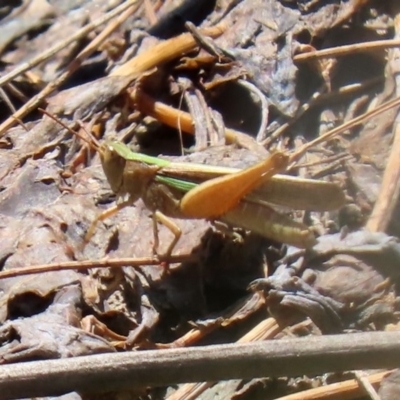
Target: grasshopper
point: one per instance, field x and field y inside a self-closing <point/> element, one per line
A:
<point x="240" y="198"/>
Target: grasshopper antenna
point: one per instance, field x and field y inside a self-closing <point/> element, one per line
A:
<point x="92" y="141"/>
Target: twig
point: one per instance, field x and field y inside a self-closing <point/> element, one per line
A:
<point x="150" y="12"/>
<point x="347" y="49"/>
<point x="363" y="381"/>
<point x="10" y="105"/>
<point x="164" y="52"/>
<point x="389" y="192"/>
<point x="182" y="120"/>
<point x="117" y="371"/>
<point x="349" y="124"/>
<point x="84" y="265"/>
<point x="263" y="107"/>
<point x="316" y="99"/>
<point x="349" y="389"/>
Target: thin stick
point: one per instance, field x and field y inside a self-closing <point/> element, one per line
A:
<point x="349" y="389"/>
<point x="150" y="12"/>
<point x="84" y="265"/>
<point x="389" y="192"/>
<point x="341" y="51"/>
<point x="177" y="118"/>
<point x="10" y="105"/>
<point x="92" y="141"/>
<point x="318" y="97"/>
<point x="349" y="124"/>
<point x="263" y="107"/>
<point x="164" y="52"/>
<point x="118" y="371"/>
<point x="366" y="385"/>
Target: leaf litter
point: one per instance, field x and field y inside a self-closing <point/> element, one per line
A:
<point x="134" y="80"/>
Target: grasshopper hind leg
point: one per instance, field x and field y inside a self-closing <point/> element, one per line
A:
<point x="104" y="215"/>
<point x="159" y="217"/>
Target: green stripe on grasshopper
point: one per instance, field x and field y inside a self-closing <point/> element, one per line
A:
<point x="126" y="153"/>
<point x="179" y="184"/>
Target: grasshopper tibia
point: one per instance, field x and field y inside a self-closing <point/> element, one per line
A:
<point x="172" y="226"/>
<point x="105" y="214"/>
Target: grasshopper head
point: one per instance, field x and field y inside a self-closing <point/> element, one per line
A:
<point x="113" y="166"/>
